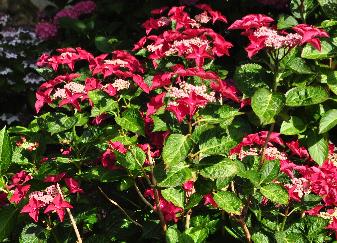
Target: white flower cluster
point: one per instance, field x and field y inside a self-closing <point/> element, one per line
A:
<point x="185" y="89"/>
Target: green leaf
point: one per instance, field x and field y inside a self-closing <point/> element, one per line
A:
<point x="328" y="121"/>
<point x="7" y="221"/>
<point x="176" y="149"/>
<point x="195" y="235"/>
<point x="158" y="124"/>
<point x="328" y="50"/>
<point x="131" y="121"/>
<point x="275" y="193"/>
<point x="304" y="96"/>
<point x="258" y="237"/>
<point x="302" y="8"/>
<point x="286" y="21"/>
<point x="228" y="201"/>
<point x="267" y="105"/>
<point x="298" y="65"/>
<point x="172" y="235"/>
<point x="329" y="7"/>
<point x="318" y="147"/>
<point x="5" y="151"/>
<point x="224" y="169"/>
<point x="331" y="78"/>
<point x="175" y="196"/>
<point x="176" y="176"/>
<point x="33" y="233"/>
<point x="133" y="160"/>
<point x="59" y="122"/>
<point x="102" y="103"/>
<point x="250" y="77"/>
<point x="293" y="126"/>
<point x="213" y="145"/>
<point x="102" y="44"/>
<point x="269" y="171"/>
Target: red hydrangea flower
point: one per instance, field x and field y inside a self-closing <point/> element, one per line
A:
<point x="309" y="34"/>
<point x="208" y="199"/>
<point x="155" y="103"/>
<point x="251" y="21"/>
<point x="54" y="178"/>
<point x="19" y="193"/>
<point x="226" y="89"/>
<point x="32" y="208"/>
<point x="73" y="185"/>
<point x="58" y="205"/>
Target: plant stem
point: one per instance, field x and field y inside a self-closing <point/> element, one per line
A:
<point x="245" y="230"/>
<point x="142" y="197"/>
<point x="156" y="193"/>
<point x="117" y="205"/>
<point x="286" y="213"/>
<point x="72" y="220"/>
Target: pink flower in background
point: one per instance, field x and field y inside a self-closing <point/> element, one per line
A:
<point x="58" y="205"/>
<point x="66" y="13"/>
<point x="84" y="7"/>
<point x="45" y="30"/>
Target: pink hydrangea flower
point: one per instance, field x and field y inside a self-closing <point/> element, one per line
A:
<point x="45" y="30"/>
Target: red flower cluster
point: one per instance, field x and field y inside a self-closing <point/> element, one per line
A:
<point x="189" y="39"/>
<point x="71" y="89"/>
<point x="49" y="198"/>
<point x="262" y="35"/>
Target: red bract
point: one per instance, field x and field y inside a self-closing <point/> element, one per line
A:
<point x="295" y="148"/>
<point x="118" y="146"/>
<point x="108" y="160"/>
<point x="58" y="205"/>
<point x="32" y="208"/>
<point x="155" y="103"/>
<point x="19" y="193"/>
<point x="54" y="178"/>
<point x="199" y="54"/>
<point x="309" y="35"/>
<point x="333" y="226"/>
<point x="251" y="21"/>
<point x="3" y="199"/>
<point x="73" y="185"/>
<point x="216" y="15"/>
<point x="20" y="178"/>
<point x="71" y="99"/>
<point x="208" y="199"/>
<point x="226" y="89"/>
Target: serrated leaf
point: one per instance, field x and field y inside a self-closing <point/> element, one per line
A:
<point x="228" y="201"/>
<point x="298" y="65"/>
<point x="269" y="171"/>
<point x="176" y="176"/>
<point x="329" y="7"/>
<point x="293" y="126"/>
<point x="5" y="151"/>
<point x="133" y="159"/>
<point x="275" y="193"/>
<point x="172" y="235"/>
<point x="175" y="196"/>
<point x="267" y="105"/>
<point x="328" y="50"/>
<point x="318" y="147"/>
<point x="250" y="77"/>
<point x="304" y="96"/>
<point x="302" y="8"/>
<point x="328" y="121"/>
<point x="33" y="233"/>
<point x="226" y="168"/>
<point x="131" y="121"/>
<point x="258" y="237"/>
<point x="59" y="122"/>
<point x="176" y="149"/>
<point x="196" y="234"/>
<point x="158" y="124"/>
<point x="331" y="78"/>
<point x="286" y="21"/>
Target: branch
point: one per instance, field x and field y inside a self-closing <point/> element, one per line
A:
<point x="117" y="205"/>
<point x="143" y="198"/>
<point x="72" y="220"/>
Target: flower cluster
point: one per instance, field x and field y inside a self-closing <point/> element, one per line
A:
<point x="188" y="39"/>
<point x="48" y="30"/>
<point x="51" y="198"/>
<point x="108" y="74"/>
<point x="262" y="35"/>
